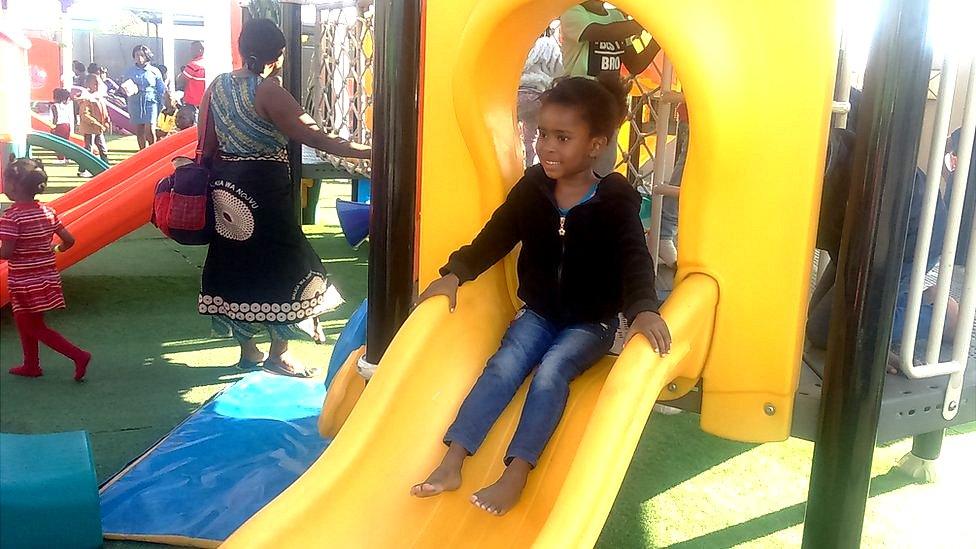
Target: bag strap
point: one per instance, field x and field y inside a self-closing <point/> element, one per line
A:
<point x="207" y="142"/>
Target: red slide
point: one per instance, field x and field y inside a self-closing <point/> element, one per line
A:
<point x="115" y="202"/>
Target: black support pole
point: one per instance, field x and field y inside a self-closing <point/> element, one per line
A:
<point x="291" y="73"/>
<point x="872" y="249"/>
<point x="394" y="192"/>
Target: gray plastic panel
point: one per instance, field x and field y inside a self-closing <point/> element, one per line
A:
<point x="908" y="407"/>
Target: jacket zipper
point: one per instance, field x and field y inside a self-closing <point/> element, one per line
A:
<point x="562" y="255"/>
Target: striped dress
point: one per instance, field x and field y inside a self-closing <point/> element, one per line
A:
<point x="35" y="285"/>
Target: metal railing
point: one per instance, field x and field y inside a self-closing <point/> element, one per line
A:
<point x="933" y="363"/>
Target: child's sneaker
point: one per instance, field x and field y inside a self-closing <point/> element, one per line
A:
<point x="84" y="173"/>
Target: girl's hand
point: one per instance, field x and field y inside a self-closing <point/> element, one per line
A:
<point x="446" y="285"/>
<point x="653" y="327"/>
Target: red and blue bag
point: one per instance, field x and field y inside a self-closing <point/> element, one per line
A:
<point x="182" y="208"/>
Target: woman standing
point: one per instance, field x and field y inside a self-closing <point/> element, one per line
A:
<point x="144" y="88"/>
<point x="261" y="273"/>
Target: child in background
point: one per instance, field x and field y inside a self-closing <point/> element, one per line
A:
<point x="26" y="232"/>
<point x="166" y="121"/>
<point x="186" y="117"/>
<point x="94" y="119"/>
<point x="583" y="260"/>
<point x="63" y="117"/>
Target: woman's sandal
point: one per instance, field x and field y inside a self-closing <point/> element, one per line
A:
<point x="246" y="365"/>
<point x="278" y="368"/>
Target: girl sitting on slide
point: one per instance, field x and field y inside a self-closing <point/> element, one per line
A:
<point x="583" y="260"/>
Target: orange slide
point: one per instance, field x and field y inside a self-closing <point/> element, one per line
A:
<point x="115" y="202"/>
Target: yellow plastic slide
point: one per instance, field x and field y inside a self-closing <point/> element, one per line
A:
<point x="757" y="75"/>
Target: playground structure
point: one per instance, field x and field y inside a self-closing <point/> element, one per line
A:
<point x="467" y="156"/>
<point x="741" y="399"/>
<point x="14" y="93"/>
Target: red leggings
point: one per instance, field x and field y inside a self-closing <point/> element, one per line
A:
<point x="31" y="328"/>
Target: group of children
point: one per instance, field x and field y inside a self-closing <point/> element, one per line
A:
<point x="174" y="116"/>
<point x="89" y="108"/>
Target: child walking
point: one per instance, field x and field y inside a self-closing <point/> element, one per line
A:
<point x="94" y="118"/>
<point x="583" y="260"/>
<point x="26" y="232"/>
<point x="62" y="116"/>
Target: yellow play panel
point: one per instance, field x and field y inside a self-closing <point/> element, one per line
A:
<point x="736" y="312"/>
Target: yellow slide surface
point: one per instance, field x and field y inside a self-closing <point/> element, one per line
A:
<point x="757" y="75"/>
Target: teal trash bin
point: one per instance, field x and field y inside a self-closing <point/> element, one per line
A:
<point x="645" y="209"/>
<point x="48" y="492"/>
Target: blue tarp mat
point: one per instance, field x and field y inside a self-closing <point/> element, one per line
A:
<point x="221" y="465"/>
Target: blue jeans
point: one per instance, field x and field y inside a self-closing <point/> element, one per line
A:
<point x="561" y="353"/>
<point x="669" y="205"/>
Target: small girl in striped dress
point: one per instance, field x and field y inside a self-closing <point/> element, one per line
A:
<point x="26" y="233"/>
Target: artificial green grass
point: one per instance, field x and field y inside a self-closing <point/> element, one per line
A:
<point x="154" y="360"/>
<point x="134" y="305"/>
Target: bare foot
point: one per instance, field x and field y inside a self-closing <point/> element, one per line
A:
<point x="447" y="476"/>
<point x="501" y="496"/>
<point x="286" y="366"/>
<point x="894" y="363"/>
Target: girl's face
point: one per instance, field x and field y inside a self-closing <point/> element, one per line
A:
<point x="565" y="145"/>
<point x="140" y="58"/>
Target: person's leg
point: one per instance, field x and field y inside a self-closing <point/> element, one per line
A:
<point x="150" y="133"/>
<point x="102" y="146"/>
<point x="89" y="143"/>
<point x="63" y="131"/>
<point x="28" y="342"/>
<point x="56" y="341"/>
<point x="526" y="341"/>
<point x="141" y="135"/>
<point x="818" y="317"/>
<point x="575" y="350"/>
<point x="528" y="115"/>
<point x="244" y="334"/>
<point x="669" y="220"/>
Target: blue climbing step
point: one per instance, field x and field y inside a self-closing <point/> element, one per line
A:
<point x="48" y="492"/>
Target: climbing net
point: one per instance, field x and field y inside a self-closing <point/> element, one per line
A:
<point x="340" y="84"/>
<point x="339" y="92"/>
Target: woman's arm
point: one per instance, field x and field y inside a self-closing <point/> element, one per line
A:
<point x="160" y="84"/>
<point x="276" y="105"/>
<point x="203" y="114"/>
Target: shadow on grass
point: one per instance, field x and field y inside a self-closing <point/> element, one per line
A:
<point x="780" y="520"/>
<point x="655" y="469"/>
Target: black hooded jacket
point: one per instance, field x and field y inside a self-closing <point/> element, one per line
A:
<point x="585" y="266"/>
